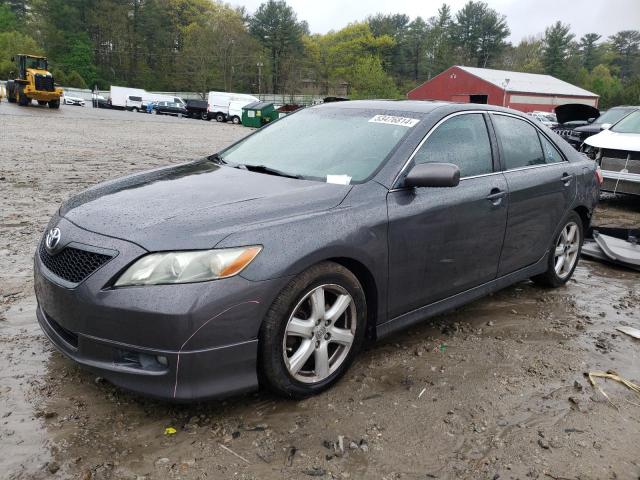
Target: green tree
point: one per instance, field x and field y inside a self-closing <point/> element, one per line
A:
<point x="369" y="80"/>
<point x="480" y="33"/>
<point x="275" y="25"/>
<point x="74" y="79"/>
<point x="589" y="50"/>
<point x="79" y="60"/>
<point x="8" y="20"/>
<point x="626" y="45"/>
<point x="440" y="47"/>
<point x="525" y="57"/>
<point x="12" y="43"/>
<point x="557" y="45"/>
<point x="416" y="45"/>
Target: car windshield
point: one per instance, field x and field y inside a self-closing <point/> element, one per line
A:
<point x="336" y="145"/>
<point x="630" y="124"/>
<point x="612" y="116"/>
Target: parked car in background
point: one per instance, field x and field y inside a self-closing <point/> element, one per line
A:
<point x="546" y="118"/>
<point x="571" y="116"/>
<point x="134" y="104"/>
<point x="274" y="258"/>
<point x="198" y="109"/>
<point x="605" y="120"/>
<point x="170" y="108"/>
<point x="235" y="110"/>
<point x="67" y="100"/>
<point x="617" y="151"/>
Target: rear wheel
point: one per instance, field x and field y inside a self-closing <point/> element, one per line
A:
<point x="11" y="91"/>
<point x="23" y="100"/>
<point x="313" y="331"/>
<point x="54" y="104"/>
<point x="204" y="116"/>
<point x="564" y="254"/>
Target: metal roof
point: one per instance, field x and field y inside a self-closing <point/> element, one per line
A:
<point x="527" y="82"/>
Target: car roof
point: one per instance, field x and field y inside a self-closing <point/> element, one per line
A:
<point x="414" y="106"/>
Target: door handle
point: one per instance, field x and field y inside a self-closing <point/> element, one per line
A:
<point x="566" y="179"/>
<point x="496" y="196"/>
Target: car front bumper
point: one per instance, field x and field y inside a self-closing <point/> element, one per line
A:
<point x="621" y="182"/>
<point x="178" y="342"/>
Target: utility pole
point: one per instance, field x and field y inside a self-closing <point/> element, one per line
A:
<point x="260" y="65"/>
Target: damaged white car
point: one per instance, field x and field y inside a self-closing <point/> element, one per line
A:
<point x="617" y="151"/>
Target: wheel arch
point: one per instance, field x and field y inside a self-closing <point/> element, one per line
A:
<point x="369" y="285"/>
<point x="585" y="215"/>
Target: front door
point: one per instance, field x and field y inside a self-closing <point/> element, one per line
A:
<point x="541" y="185"/>
<point x="443" y="241"/>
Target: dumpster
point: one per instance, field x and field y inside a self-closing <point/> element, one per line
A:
<point x="258" y="113"/>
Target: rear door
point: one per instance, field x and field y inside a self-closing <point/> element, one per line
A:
<point x="443" y="241"/>
<point x="542" y="186"/>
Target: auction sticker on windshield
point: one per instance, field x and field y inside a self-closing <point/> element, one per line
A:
<point x="391" y="120"/>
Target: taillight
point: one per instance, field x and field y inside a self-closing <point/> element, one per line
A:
<point x="599" y="177"/>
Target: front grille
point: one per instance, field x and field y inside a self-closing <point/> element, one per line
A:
<point x="44" y="83"/>
<point x="73" y="264"/>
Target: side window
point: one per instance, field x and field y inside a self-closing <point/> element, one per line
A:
<point x="462" y="140"/>
<point x="551" y="153"/>
<point x="519" y="140"/>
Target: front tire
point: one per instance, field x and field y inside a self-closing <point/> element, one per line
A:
<point x="236" y="120"/>
<point x="220" y="117"/>
<point x="54" y="104"/>
<point x="312" y="331"/>
<point x="564" y="253"/>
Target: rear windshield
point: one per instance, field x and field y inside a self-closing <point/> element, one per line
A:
<point x="630" y="124"/>
<point x="327" y="144"/>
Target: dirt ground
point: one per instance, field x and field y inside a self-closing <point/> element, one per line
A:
<point x="492" y="390"/>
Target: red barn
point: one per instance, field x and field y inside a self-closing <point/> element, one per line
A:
<point x="523" y="91"/>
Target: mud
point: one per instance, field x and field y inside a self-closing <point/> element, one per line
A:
<point x="492" y="390"/>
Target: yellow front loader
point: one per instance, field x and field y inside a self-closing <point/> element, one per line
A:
<point x="34" y="82"/>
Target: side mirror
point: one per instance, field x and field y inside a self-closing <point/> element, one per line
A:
<point x="605" y="126"/>
<point x="591" y="120"/>
<point x="433" y="175"/>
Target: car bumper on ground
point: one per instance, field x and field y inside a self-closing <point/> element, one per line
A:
<point x="178" y="342"/>
<point x="621" y="182"/>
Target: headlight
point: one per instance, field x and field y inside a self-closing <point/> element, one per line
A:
<point x="188" y="267"/>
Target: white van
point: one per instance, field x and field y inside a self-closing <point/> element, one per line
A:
<point x="235" y="110"/>
<point x="219" y="103"/>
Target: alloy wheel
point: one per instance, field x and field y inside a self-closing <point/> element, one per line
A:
<point x="319" y="333"/>
<point x="566" y="252"/>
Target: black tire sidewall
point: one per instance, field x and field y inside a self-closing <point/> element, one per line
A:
<point x="273" y="371"/>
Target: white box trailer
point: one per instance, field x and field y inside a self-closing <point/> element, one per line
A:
<point x="219" y="104"/>
<point x="120" y="96"/>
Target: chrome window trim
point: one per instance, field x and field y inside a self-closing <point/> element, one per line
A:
<point x="426" y="137"/>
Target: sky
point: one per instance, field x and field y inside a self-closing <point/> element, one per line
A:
<point x="525" y="17"/>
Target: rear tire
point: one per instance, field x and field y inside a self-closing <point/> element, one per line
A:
<point x="312" y="331"/>
<point x="23" y="100"/>
<point x="204" y="116"/>
<point x="563" y="254"/>
<point x="11" y="91"/>
<point x="54" y="104"/>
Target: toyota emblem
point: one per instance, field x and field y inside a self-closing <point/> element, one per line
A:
<point x="52" y="239"/>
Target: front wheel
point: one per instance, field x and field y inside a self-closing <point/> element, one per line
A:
<point x="564" y="253"/>
<point x="313" y="331"/>
<point x="236" y="120"/>
<point x="220" y="117"/>
<point x="54" y="104"/>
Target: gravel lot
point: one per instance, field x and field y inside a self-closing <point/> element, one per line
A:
<point x="492" y="390"/>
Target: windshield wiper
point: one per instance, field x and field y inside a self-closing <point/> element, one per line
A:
<point x="216" y="158"/>
<point x="267" y="170"/>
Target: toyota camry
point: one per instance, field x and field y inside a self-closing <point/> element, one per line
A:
<point x="272" y="261"/>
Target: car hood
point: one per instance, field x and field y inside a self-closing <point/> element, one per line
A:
<point x="615" y="141"/>
<point x="575" y="111"/>
<point x="194" y="205"/>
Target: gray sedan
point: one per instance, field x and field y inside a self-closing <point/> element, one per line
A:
<point x="272" y="261"/>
